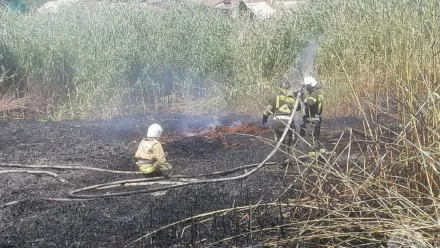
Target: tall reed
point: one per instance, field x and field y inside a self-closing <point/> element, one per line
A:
<point x="106" y="60"/>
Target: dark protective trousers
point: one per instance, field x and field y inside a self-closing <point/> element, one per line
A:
<point x="310" y="131"/>
<point x="278" y="127"/>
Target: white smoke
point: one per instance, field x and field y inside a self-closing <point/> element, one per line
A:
<point x="209" y="127"/>
<point x="236" y="123"/>
<point x="301" y="68"/>
<point x="304" y="64"/>
<point x="199" y="127"/>
<point x="204" y="125"/>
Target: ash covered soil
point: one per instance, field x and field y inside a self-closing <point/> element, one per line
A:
<point x="116" y="221"/>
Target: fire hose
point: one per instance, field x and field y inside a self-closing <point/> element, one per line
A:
<point x="182" y="181"/>
<point x="132" y="182"/>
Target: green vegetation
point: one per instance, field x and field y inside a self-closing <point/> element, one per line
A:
<point x="381" y="48"/>
<point x="102" y="61"/>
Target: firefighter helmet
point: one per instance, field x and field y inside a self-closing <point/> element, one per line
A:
<point x="310" y="81"/>
<point x="154" y="131"/>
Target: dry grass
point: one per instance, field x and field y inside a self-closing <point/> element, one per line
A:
<point x="22" y="107"/>
<point x="10" y="103"/>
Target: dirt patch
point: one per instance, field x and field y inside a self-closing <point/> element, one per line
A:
<point x="113" y="222"/>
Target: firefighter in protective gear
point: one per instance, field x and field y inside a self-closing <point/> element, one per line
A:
<point x="151" y="158"/>
<point x="311" y="127"/>
<point x="282" y="107"/>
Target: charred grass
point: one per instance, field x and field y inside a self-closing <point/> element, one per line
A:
<point x="111" y="222"/>
<point x="355" y="197"/>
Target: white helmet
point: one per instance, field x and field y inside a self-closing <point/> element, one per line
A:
<point x="310" y="81"/>
<point x="154" y="131"/>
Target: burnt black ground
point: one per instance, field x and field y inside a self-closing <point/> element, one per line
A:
<point x="113" y="222"/>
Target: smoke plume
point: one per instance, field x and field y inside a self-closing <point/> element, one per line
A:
<point x="303" y="65"/>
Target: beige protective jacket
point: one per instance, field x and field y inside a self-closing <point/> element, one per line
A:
<point x="151" y="149"/>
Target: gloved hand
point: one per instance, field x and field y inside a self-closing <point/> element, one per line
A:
<point x="265" y="119"/>
<point x="301" y="91"/>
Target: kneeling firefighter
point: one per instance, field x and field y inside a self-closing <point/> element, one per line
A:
<point x="282" y="106"/>
<point x="152" y="159"/>
<point x="311" y="127"/>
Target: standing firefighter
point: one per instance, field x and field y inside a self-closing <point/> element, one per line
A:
<point x="311" y="127"/>
<point x="151" y="157"/>
<point x="282" y="107"/>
